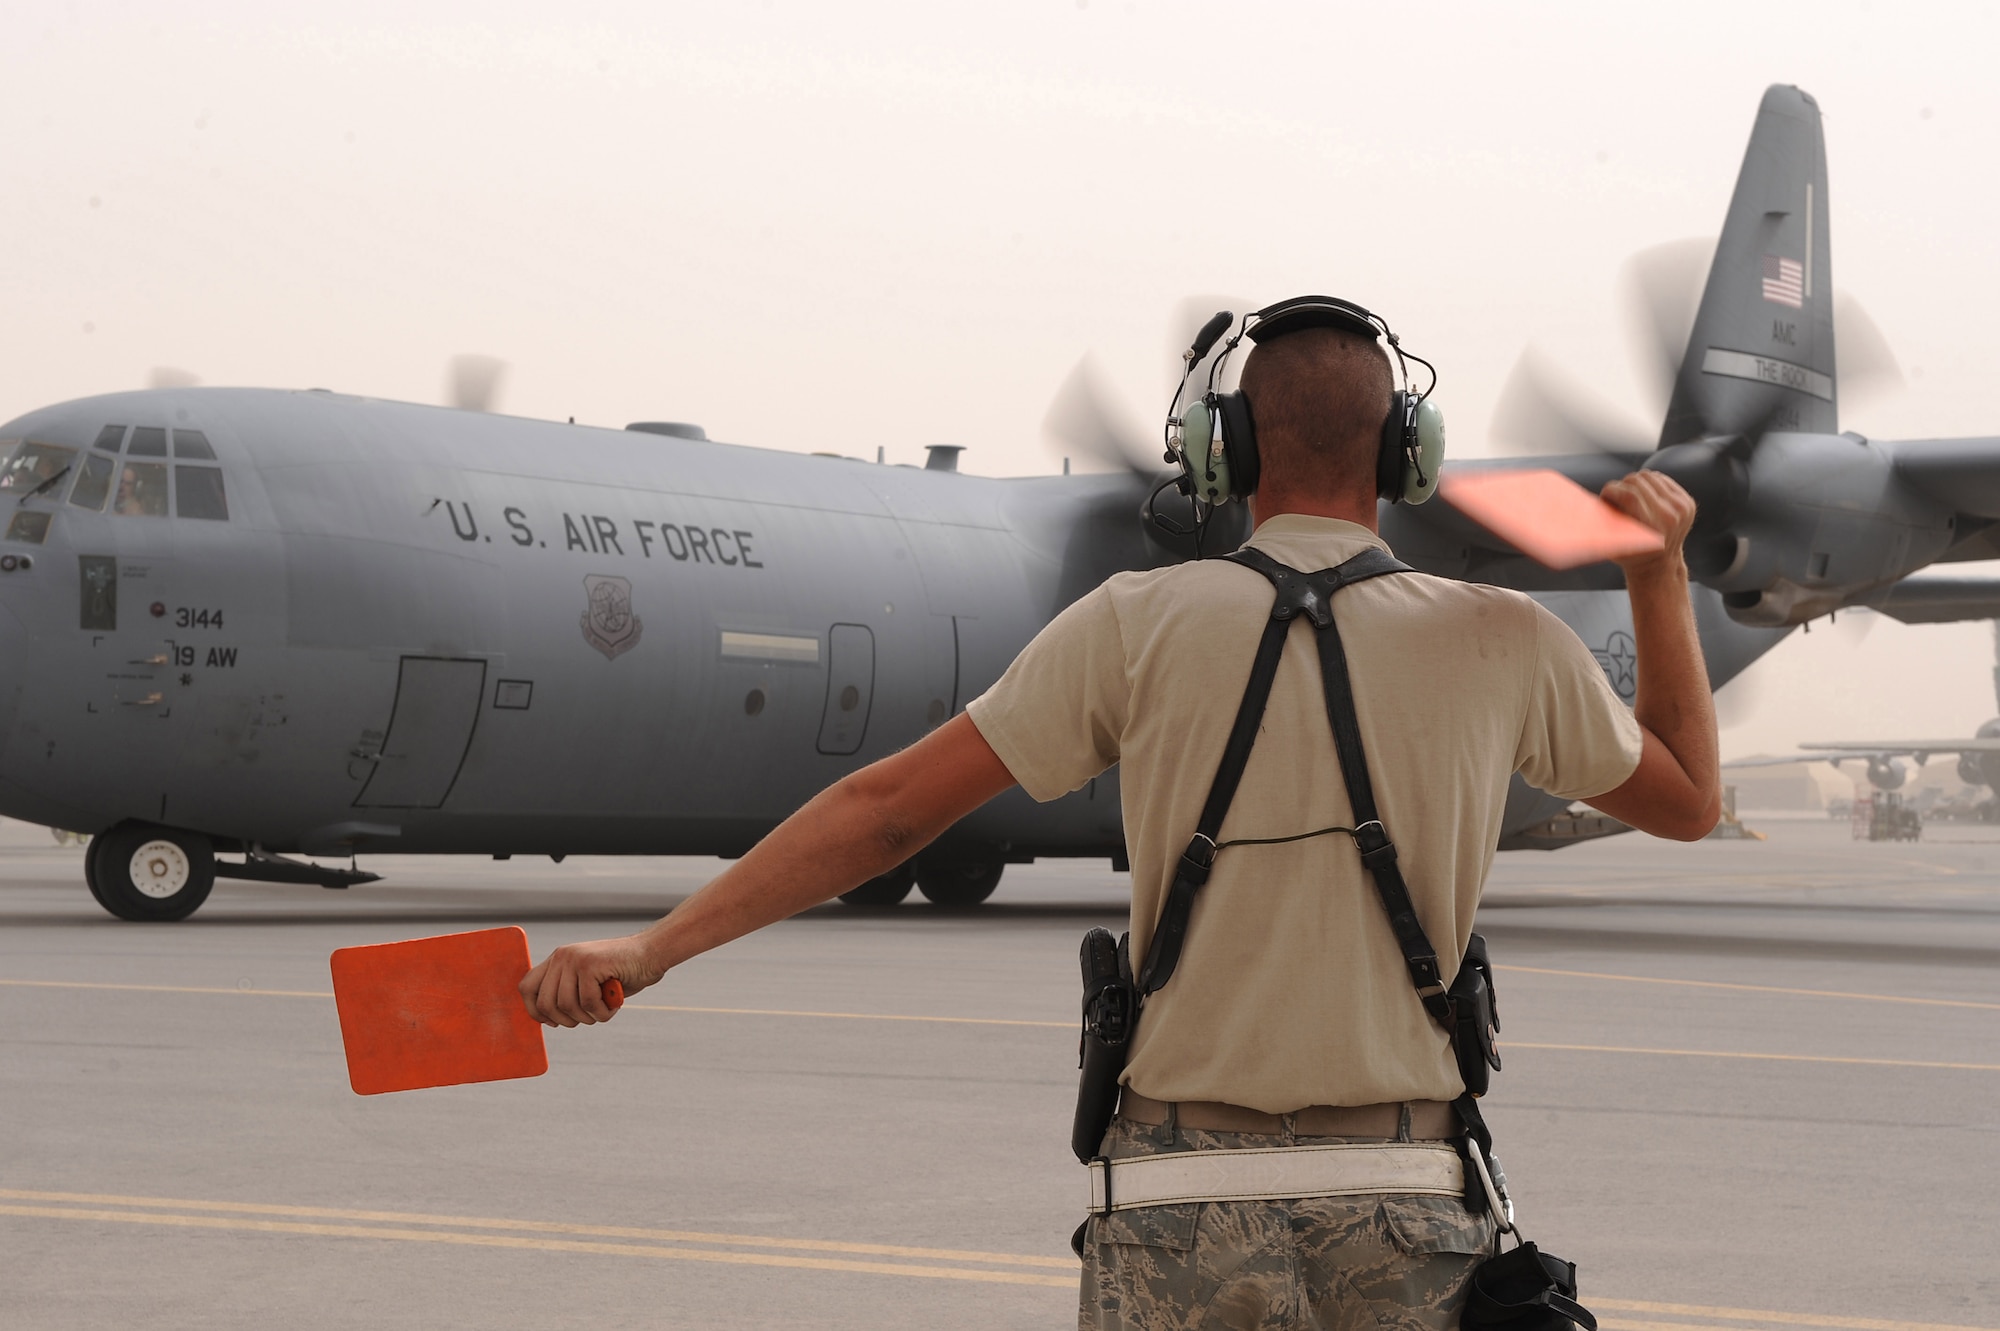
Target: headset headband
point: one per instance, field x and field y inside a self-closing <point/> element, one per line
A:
<point x="1303" y="312"/>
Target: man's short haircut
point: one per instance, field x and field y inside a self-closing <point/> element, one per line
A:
<point x="1318" y="398"/>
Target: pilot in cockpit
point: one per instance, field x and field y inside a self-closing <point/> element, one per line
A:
<point x="142" y="491"/>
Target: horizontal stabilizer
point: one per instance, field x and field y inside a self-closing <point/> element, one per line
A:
<point x="1939" y="599"/>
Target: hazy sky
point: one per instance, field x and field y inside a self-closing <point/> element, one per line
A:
<point x="838" y="227"/>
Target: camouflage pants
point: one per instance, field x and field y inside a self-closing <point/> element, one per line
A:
<point x="1331" y="1263"/>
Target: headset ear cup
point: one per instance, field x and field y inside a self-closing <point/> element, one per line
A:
<point x="1392" y="456"/>
<point x="1427" y="436"/>
<point x="1239" y="444"/>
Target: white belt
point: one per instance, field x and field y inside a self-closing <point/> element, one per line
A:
<point x="1274" y="1173"/>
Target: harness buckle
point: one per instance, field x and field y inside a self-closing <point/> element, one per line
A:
<point x="1195" y="855"/>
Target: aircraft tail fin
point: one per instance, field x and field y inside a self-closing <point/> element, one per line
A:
<point x="1760" y="355"/>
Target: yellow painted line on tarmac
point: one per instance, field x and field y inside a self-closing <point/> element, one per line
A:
<point x="550" y="1227"/>
<point x="256" y="1217"/>
<point x="1726" y="1053"/>
<point x="1753" y="988"/>
<point x="168" y="989"/>
<point x="1760" y="1315"/>
<point x="379" y="1233"/>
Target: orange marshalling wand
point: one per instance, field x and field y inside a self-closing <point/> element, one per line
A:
<point x="1547" y="517"/>
<point x="439" y="1011"/>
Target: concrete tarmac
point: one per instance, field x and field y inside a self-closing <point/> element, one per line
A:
<point x="1749" y="1085"/>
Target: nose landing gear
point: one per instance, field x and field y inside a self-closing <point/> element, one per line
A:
<point x="141" y="872"/>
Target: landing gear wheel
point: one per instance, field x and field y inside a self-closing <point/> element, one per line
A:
<point x="888" y="890"/>
<point x="90" y="869"/>
<point x="958" y="884"/>
<point x="140" y="872"/>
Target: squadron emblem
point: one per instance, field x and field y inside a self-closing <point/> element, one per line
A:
<point x="609" y="624"/>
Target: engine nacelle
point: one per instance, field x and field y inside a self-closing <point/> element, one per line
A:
<point x="1822" y="521"/>
<point x="1982" y="769"/>
<point x="1888" y="773"/>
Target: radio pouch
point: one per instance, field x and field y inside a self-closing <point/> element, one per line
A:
<point x="1524" y="1290"/>
<point x="1110" y="1002"/>
<point x="1475" y="1019"/>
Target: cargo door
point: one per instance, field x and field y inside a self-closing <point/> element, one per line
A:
<point x="430" y="729"/>
<point x="850" y="688"/>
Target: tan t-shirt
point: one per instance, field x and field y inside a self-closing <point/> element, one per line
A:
<point x="1291" y="990"/>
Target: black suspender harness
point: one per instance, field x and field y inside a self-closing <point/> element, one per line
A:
<point x="1522" y="1290"/>
<point x="1113" y="999"/>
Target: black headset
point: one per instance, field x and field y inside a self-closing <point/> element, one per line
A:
<point x="1213" y="439"/>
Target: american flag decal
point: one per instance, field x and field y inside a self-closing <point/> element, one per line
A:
<point x="1784" y="281"/>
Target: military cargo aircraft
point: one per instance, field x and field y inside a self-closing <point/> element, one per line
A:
<point x="238" y="625"/>
<point x="1978" y="756"/>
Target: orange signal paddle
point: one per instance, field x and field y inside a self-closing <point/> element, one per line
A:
<point x="440" y="1011"/>
<point x="1547" y="517"/>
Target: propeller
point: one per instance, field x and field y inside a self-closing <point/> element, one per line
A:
<point x="473" y="383"/>
<point x="1544" y="412"/>
<point x="1660" y="289"/>
<point x="1547" y="413"/>
<point x="1086" y="418"/>
<point x="1862" y="359"/>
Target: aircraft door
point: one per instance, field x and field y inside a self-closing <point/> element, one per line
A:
<point x="430" y="729"/>
<point x="850" y="688"/>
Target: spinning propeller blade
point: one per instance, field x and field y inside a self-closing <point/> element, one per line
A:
<point x="473" y="383"/>
<point x="1086" y="419"/>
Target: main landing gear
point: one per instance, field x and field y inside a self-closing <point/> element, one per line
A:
<point x="954" y="883"/>
<point x="141" y="872"/>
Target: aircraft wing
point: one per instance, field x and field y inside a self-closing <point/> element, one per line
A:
<point x="1939" y="598"/>
<point x="1959" y="473"/>
<point x="1899" y="747"/>
<point x="1774" y="762"/>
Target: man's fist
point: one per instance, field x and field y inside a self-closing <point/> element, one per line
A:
<point x="567" y="989"/>
<point x="1658" y="501"/>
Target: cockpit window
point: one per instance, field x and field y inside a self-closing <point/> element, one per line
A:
<point x="192" y="444"/>
<point x="29" y="526"/>
<point x="109" y="438"/>
<point x="93" y="483"/>
<point x="198" y="491"/>
<point x="148" y="441"/>
<point x="142" y="489"/>
<point x="34" y="467"/>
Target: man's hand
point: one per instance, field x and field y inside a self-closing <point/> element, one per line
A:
<point x="567" y="989"/>
<point x="1658" y="501"/>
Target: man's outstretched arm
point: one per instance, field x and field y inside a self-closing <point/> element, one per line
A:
<point x="1676" y="791"/>
<point x="861" y="826"/>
